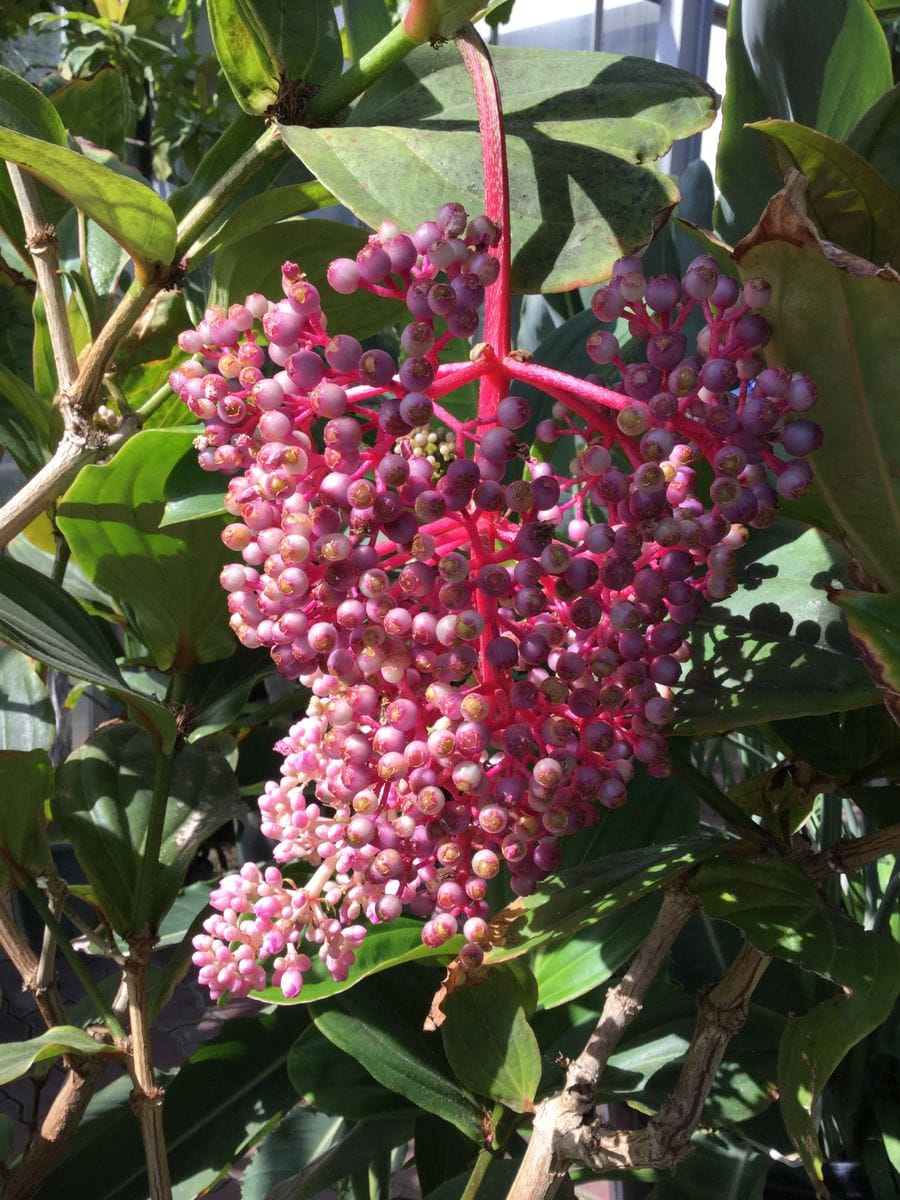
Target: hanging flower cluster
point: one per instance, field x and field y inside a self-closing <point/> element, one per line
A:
<point x="489" y="612"/>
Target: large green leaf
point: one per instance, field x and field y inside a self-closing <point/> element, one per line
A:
<point x="245" y="55"/>
<point x="217" y="692"/>
<point x="221" y="156"/>
<point x="26" y="715"/>
<point x="18" y="1057"/>
<point x="579" y="896"/>
<point x="333" y="1082"/>
<point x="304" y="37"/>
<point x="44" y="622"/>
<point x="26" y="110"/>
<point x="258" y="212"/>
<point x="26" y="402"/>
<point x="131" y="212"/>
<point x="379" y="1023"/>
<point x="573" y="966"/>
<point x="876" y="136"/>
<point x="98" y="108"/>
<point x="820" y="64"/>
<point x="386" y="945"/>
<point x="853" y="204"/>
<point x="582" y="133"/>
<point x="817" y="1042"/>
<point x="781" y="912"/>
<point x="254" y="264"/>
<point x="20" y="439"/>
<point x="363" y="1143"/>
<point x="658" y="810"/>
<point x="837" y="321"/>
<point x="440" y="1151"/>
<point x="489" y="1043"/>
<point x="874" y="620"/>
<point x="26" y="784"/>
<point x="258" y="42"/>
<point x="365" y="24"/>
<point x="221" y="1101"/>
<point x="777" y="647"/>
<point x="165" y="579"/>
<point x="297" y="1141"/>
<point x="862" y="744"/>
<point x="103" y="802"/>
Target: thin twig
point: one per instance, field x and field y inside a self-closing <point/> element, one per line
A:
<point x="39" y="902"/>
<point x="147" y="1096"/>
<point x="43" y="245"/>
<point x="23" y="958"/>
<point x="57" y="1127"/>
<point x="852" y="854"/>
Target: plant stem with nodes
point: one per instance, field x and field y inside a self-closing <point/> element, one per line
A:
<point x="542" y="1169"/>
<point x="42" y="242"/>
<point x="567" y="1134"/>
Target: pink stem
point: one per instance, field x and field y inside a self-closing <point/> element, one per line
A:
<point x="496" y="191"/>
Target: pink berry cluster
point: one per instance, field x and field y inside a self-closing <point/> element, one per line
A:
<point x="489" y="648"/>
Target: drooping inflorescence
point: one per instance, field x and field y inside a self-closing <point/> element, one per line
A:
<point x="489" y="631"/>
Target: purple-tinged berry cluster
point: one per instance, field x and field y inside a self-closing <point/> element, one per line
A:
<point x="490" y="650"/>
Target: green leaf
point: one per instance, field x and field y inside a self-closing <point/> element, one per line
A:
<point x="874" y="621"/>
<point x="296" y="1142"/>
<point x="495" y="1185"/>
<point x="29" y="451"/>
<point x="579" y="896"/>
<point x="258" y="42"/>
<point x="26" y="783"/>
<point x="386" y="945"/>
<point x="658" y="810"/>
<point x="221" y="156"/>
<point x="365" y="24"/>
<point x="191" y="494"/>
<point x="354" y="1152"/>
<point x="489" y="1043"/>
<point x="98" y="108"/>
<point x="24" y="109"/>
<point x="777" y="647"/>
<point x="440" y="1150"/>
<point x="18" y="1057"/>
<point x="218" y="691"/>
<point x="165" y="578"/>
<point x="842" y="745"/>
<point x="798" y="60"/>
<point x="852" y="203"/>
<point x="817" y="1042"/>
<point x="245" y="55"/>
<point x="379" y="1023"/>
<point x="333" y="1082"/>
<point x="254" y="264"/>
<point x="221" y="1101"/>
<point x="583" y="187"/>
<point x="26" y="402"/>
<point x="130" y="212"/>
<point x="26" y="715"/>
<point x="304" y="37"/>
<point x="259" y="212"/>
<point x="575" y="965"/>
<point x="103" y="801"/>
<point x="44" y="622"/>
<point x="876" y="136"/>
<point x="838" y="324"/>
